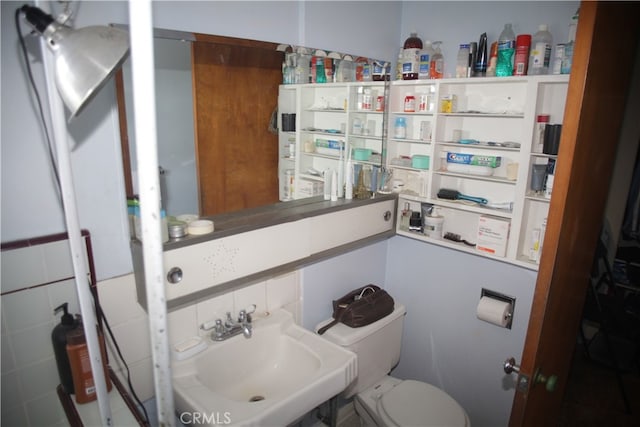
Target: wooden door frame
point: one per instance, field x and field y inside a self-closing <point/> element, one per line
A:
<point x="595" y="107"/>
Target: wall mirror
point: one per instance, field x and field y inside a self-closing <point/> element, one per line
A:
<point x="215" y="102"/>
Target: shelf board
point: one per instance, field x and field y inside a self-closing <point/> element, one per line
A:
<point x="459" y="205"/>
<point x="413" y="113"/>
<point x="326" y="110"/>
<point x="311" y="177"/>
<point x="323" y="132"/>
<point x="459" y="246"/>
<point x="363" y="111"/>
<point x="499" y="179"/>
<point x="535" y="198"/>
<point x="411" y="141"/>
<point x="376" y="137"/>
<point x="543" y="155"/>
<point x="324" y="156"/>
<point x="484" y="146"/>
<point x="408" y="168"/>
<point x="485" y="115"/>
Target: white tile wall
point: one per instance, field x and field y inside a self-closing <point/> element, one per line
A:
<point x="282" y="291"/>
<point x="29" y="373"/>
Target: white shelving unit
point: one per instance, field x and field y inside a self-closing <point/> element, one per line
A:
<point x="331" y="121"/>
<point x="287" y="141"/>
<point x="500" y="113"/>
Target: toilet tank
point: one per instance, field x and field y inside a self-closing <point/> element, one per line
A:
<point x="377" y="346"/>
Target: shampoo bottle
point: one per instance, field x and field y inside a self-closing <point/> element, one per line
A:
<point x="79" y="360"/>
<point x="59" y="339"/>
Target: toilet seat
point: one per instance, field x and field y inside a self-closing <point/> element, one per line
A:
<point x="415" y="403"/>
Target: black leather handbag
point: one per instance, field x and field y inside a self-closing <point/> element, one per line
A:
<point x="360" y="307"/>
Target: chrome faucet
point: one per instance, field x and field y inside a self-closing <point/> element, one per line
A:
<point x="230" y="327"/>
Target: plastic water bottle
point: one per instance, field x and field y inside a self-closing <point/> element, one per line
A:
<point x="321" y="77"/>
<point x="424" y="61"/>
<point x="436" y="67"/>
<point x="462" y="60"/>
<point x="540" y="51"/>
<point x="506" y="49"/>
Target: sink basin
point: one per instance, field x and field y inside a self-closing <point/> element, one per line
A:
<point x="273" y="378"/>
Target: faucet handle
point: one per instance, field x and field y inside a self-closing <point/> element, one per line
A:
<point x="207" y="326"/>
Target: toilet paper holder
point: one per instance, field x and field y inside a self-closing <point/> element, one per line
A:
<point x="501" y="297"/>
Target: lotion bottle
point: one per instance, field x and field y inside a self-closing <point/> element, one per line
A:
<point x="80" y="362"/>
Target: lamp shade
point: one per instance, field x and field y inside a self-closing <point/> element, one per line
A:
<point x="85" y="58"/>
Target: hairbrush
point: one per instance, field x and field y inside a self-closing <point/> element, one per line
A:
<point x="456" y="238"/>
<point x="449" y="194"/>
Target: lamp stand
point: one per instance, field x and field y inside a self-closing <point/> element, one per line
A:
<point x="76" y="243"/>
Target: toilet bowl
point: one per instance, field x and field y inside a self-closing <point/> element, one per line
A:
<point x="382" y="400"/>
<point x="395" y="402"/>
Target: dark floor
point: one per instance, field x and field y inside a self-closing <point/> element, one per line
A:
<point x="593" y="397"/>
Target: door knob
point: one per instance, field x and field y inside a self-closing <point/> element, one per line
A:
<point x="510" y="366"/>
<point x="549" y="382"/>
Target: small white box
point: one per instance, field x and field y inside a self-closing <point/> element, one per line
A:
<point x="307" y="188"/>
<point x="493" y="234"/>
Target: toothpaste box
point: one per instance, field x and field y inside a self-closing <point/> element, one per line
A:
<point x="493" y="234"/>
<point x="474" y="159"/>
<point x="329" y="143"/>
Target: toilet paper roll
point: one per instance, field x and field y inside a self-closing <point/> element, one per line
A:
<point x="494" y="311"/>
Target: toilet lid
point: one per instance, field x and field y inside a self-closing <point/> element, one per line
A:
<point x="414" y="403"/>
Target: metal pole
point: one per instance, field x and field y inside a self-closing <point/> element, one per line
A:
<point x="142" y="66"/>
<point x="76" y="242"/>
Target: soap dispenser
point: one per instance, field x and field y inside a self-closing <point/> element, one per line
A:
<point x="79" y="361"/>
<point x="59" y="340"/>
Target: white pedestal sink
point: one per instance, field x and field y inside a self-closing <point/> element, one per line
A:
<point x="271" y="379"/>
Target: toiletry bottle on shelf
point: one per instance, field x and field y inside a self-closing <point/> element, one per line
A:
<point x="480" y="67"/>
<point x="400" y="128"/>
<point x="506" y="49"/>
<point x="540" y="51"/>
<point x="521" y="62"/>
<point x="410" y="54"/>
<point x="405" y="218"/>
<point x="471" y="59"/>
<point x="79" y="360"/>
<point x="462" y="60"/>
<point x="321" y="77"/>
<point x="493" y="60"/>
<point x="436" y="67"/>
<point x="424" y="60"/>
<point x="59" y="339"/>
<point x="433" y="224"/>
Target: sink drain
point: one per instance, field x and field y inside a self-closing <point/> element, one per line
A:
<point x="256" y="398"/>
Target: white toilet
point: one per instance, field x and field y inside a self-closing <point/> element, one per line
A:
<point x="381" y="400"/>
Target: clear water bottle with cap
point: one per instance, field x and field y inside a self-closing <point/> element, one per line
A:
<point x="506" y="49"/>
<point x="462" y="61"/>
<point x="540" y="53"/>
